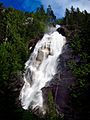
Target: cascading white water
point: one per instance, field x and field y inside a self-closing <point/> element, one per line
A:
<point x="40" y="69"/>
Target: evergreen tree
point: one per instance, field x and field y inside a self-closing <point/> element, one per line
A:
<point x="50" y="13"/>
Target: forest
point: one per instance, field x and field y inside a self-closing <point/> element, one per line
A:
<point x="21" y="30"/>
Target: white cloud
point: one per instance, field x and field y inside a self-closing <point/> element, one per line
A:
<point x="59" y="6"/>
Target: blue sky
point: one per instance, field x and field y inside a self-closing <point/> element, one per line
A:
<point x="25" y="5"/>
<point x="58" y="6"/>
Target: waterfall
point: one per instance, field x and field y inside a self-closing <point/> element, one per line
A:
<point x="40" y="69"/>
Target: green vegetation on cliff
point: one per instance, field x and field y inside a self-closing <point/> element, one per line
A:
<point x="79" y="22"/>
<point x="17" y="31"/>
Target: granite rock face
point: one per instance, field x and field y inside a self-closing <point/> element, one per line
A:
<point x="61" y="83"/>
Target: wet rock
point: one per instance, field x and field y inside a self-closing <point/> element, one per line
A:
<point x="61" y="31"/>
<point x="62" y="81"/>
<point x="42" y="54"/>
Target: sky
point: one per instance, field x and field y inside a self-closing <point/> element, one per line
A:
<point x="58" y="6"/>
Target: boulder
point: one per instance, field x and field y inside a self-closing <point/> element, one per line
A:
<point x="61" y="31"/>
